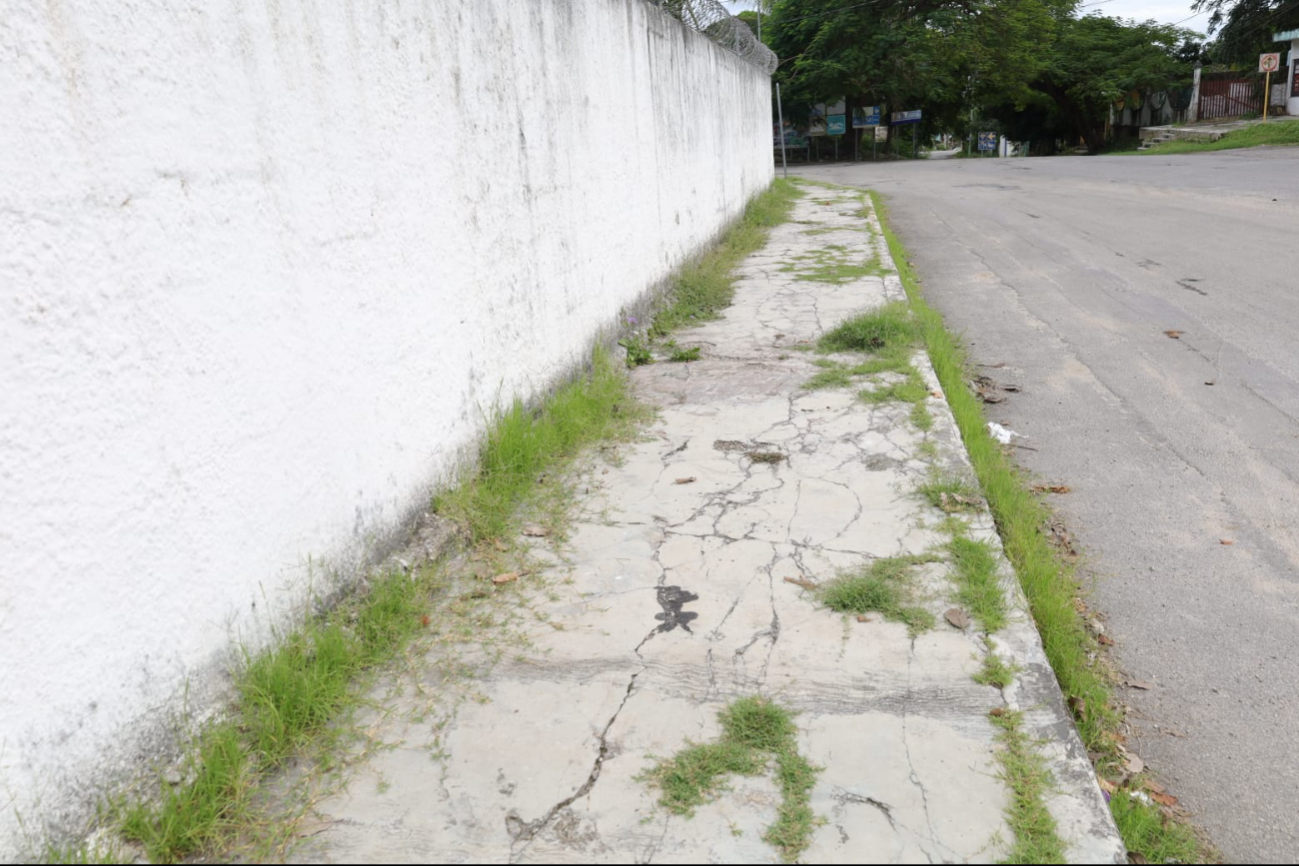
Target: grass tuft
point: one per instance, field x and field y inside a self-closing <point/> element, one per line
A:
<point x="754" y="731"/>
<point x="951" y="494"/>
<point x="1149" y="833"/>
<point x="523" y="443"/>
<point x="995" y="671"/>
<point x="884" y="587"/>
<point x="888" y="327"/>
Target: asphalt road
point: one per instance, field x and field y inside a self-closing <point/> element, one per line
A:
<point x="1182" y="453"/>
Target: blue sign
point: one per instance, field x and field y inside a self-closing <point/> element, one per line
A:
<point x="866" y="115"/>
<point x="906" y="116"/>
<point x="835" y="124"/>
<point x="987" y="141"/>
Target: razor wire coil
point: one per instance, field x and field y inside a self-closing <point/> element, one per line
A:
<point x="711" y="19"/>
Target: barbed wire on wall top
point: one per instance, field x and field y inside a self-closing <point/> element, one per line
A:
<point x="710" y="18"/>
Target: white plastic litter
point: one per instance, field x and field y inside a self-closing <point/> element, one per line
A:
<point x="1003" y="434"/>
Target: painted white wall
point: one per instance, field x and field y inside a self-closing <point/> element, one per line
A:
<point x="263" y="266"/>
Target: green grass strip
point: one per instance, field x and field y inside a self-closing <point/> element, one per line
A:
<point x="1281" y="132"/>
<point x="1048" y="582"/>
<point x="1037" y="839"/>
<point x="978" y="584"/>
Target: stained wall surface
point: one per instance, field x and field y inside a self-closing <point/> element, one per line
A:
<point x="266" y="266"/>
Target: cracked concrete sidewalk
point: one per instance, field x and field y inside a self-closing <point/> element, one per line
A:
<point x="670" y="600"/>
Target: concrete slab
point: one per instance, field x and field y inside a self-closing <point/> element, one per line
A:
<point x="670" y="600"/>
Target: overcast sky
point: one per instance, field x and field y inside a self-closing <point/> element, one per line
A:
<point x="1164" y="11"/>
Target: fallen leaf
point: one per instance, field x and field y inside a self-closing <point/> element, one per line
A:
<point x="1226" y="541"/>
<point x="500" y="545"/>
<point x="1210" y="383"/>
<point x="1138" y="684"/>
<point x="1134" y="764"/>
<point x="535" y="531"/>
<point x="1079" y="707"/>
<point x="1104" y="640"/>
<point x="507" y="577"/>
<point x="1106" y="784"/>
<point x="688" y="480"/>
<point x="801" y="581"/>
<point x="1154" y="787"/>
<point x="1051" y="488"/>
<point x="997" y="711"/>
<point x="1139" y="859"/>
<point x="424" y="620"/>
<point x="861" y="617"/>
<point x="1176" y="335"/>
<point x="957" y="617"/>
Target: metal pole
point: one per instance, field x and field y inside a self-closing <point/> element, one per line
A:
<point x="780" y="112"/>
<point x="915" y="129"/>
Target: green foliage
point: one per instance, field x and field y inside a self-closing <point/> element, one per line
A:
<point x="995" y="671"/>
<point x="638" y="353"/>
<point x="681" y="356"/>
<point x="1244" y="28"/>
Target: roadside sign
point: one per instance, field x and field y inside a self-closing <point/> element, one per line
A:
<point x="987" y="141"/>
<point x="865" y="115"/>
<point x="835" y="124"/>
<point x="906" y="116"/>
<point x="816" y="121"/>
<point x="1269" y="62"/>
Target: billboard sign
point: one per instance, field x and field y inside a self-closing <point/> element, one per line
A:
<point x="865" y="115"/>
<point x="987" y="141"/>
<point x="906" y="116"/>
<point x="836" y="124"/>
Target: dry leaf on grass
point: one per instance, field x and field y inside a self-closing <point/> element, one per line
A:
<point x="535" y="531"/>
<point x="1164" y="799"/>
<point x="1105" y="640"/>
<point x="507" y="577"/>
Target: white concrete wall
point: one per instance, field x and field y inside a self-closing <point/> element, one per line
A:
<point x="262" y="262"/>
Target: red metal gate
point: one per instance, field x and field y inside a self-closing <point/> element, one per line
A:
<point x="1229" y="97"/>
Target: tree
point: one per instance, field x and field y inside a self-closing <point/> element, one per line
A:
<point x="1244" y="28"/>
<point x="1096" y="59"/>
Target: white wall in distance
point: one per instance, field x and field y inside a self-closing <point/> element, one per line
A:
<point x="263" y="266"/>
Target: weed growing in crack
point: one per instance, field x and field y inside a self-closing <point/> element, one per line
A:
<point x="83" y="853"/>
<point x="638" y="354"/>
<point x="978" y="584"/>
<point x="754" y="732"/>
<point x="1037" y="839"/>
<point x="996" y="671"/>
<point x="680" y="356"/>
<point x="884" y="587"/>
<point x="951" y="494"/>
